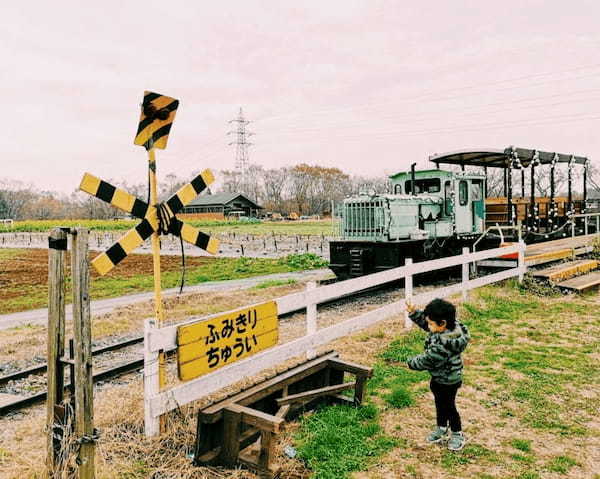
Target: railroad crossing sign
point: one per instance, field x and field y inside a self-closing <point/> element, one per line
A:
<point x="155" y="218"/>
<point x="156" y="118"/>
<point x="210" y="344"/>
<point x="158" y="113"/>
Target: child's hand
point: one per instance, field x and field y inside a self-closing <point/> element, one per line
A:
<point x="410" y="308"/>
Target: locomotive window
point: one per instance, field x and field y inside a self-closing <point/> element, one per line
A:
<point x="448" y="198"/>
<point x="398" y="189"/>
<point x="428" y="185"/>
<point x="476" y="190"/>
<point x="463" y="193"/>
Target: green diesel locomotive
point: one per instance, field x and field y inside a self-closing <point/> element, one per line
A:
<point x="430" y="214"/>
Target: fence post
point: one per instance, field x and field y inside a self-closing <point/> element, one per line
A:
<point x="151" y="383"/>
<point x="408" y="293"/>
<point x="57" y="245"/>
<point x="82" y="332"/>
<point x="311" y="317"/>
<point x="521" y="261"/>
<point x="465" y="274"/>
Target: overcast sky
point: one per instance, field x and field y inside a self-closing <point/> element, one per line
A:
<point x="367" y="86"/>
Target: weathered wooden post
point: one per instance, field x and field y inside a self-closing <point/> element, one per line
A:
<point x="82" y="331"/>
<point x="57" y="246"/>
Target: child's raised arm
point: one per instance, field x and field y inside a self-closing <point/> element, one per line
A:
<point x="416" y="316"/>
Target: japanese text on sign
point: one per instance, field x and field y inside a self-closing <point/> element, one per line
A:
<point x="213" y="343"/>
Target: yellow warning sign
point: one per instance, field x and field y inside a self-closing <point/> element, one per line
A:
<point x="210" y="344"/>
<point x="158" y="113"/>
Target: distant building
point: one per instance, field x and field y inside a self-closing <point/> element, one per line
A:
<point x="221" y="205"/>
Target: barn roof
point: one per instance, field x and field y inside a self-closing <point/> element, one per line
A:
<point x="501" y="158"/>
<point x="220" y="199"/>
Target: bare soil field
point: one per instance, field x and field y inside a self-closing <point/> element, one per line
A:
<point x="24" y="274"/>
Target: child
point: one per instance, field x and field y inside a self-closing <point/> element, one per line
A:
<point x="447" y="339"/>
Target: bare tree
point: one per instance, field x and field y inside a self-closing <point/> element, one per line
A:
<point x="275" y="183"/>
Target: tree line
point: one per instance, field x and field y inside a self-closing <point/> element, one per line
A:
<point x="303" y="189"/>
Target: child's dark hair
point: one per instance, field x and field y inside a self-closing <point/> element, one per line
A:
<point x="439" y="310"/>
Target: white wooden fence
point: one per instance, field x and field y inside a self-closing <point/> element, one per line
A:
<point x="157" y="403"/>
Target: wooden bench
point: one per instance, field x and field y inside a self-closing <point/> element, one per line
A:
<point x="239" y="430"/>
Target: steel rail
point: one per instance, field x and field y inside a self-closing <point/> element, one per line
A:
<point x="100" y="376"/>
<point x="41" y="368"/>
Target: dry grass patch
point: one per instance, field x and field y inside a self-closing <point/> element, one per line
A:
<point x="529" y="407"/>
<point x="26" y="342"/>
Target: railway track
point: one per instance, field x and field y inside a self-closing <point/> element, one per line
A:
<point x="138" y="363"/>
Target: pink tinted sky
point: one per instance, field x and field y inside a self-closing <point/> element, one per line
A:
<point x="367" y="86"/>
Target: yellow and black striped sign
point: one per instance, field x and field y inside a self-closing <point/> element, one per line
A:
<point x="115" y="196"/>
<point x="158" y="113"/>
<point x="187" y="193"/>
<point x="149" y="216"/>
<point x="131" y="240"/>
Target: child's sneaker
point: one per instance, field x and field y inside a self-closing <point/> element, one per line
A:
<point x="457" y="441"/>
<point x="437" y="435"/>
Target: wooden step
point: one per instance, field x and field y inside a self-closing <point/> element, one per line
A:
<point x="582" y="283"/>
<point x="562" y="272"/>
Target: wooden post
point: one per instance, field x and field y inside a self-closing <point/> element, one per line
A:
<point x="311" y="317"/>
<point x="465" y="275"/>
<point x="232" y="420"/>
<point x="57" y="246"/>
<point x="408" y="293"/>
<point x="158" y="306"/>
<point x="82" y="331"/>
<point x="264" y="457"/>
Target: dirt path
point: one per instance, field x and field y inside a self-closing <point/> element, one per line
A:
<point x="103" y="306"/>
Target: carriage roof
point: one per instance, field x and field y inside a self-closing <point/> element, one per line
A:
<point x="497" y="158"/>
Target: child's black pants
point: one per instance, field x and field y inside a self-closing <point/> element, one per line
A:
<point x="445" y="404"/>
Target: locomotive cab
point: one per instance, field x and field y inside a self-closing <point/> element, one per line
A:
<point x="461" y="200"/>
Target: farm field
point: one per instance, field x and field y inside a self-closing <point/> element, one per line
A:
<point x="24" y="274"/>
<point x="529" y="406"/>
<point x="323" y="227"/>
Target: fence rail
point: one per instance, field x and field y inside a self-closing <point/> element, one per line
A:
<point x="158" y="402"/>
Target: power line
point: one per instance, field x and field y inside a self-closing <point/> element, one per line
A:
<point x="431" y="95"/>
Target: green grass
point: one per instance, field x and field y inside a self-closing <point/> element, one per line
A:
<point x="521" y="444"/>
<point x="526" y="349"/>
<point x="400" y="397"/>
<point x="337" y="440"/>
<point x="274" y="282"/>
<point x="212" y="226"/>
<point x="472" y="453"/>
<point x="561" y="464"/>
